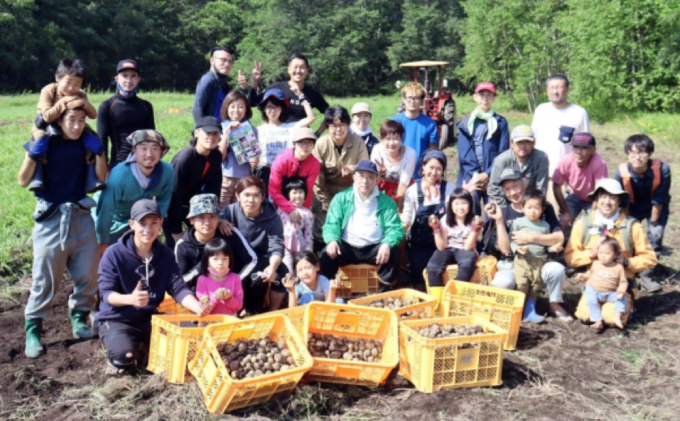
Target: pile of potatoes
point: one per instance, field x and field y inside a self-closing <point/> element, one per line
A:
<point x="348" y="349"/>
<point x="435" y="331"/>
<point x="256" y="357"/>
<point x="395" y="303"/>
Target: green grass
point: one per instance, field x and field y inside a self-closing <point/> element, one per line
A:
<point x="174" y="120"/>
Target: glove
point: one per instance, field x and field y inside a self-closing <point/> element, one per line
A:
<point x="38" y="149"/>
<point x="656" y="231"/>
<point x="93" y="144"/>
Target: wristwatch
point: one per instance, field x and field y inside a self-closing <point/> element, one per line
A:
<point x="626" y="262"/>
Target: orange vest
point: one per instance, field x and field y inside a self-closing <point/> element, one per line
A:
<point x="628" y="185"/>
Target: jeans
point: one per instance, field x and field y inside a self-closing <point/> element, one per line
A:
<point x="594" y="299"/>
<point x="577" y="205"/>
<point x="552" y="274"/>
<point x="121" y="337"/>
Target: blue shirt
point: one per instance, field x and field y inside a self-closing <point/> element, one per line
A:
<point x="418" y="134"/>
<point x="65" y="171"/>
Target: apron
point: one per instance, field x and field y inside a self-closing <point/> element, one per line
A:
<point x="421" y="232"/>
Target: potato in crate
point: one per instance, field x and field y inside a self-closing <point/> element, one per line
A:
<point x="407" y="303"/>
<point x="174" y="341"/>
<point x="501" y="307"/>
<point x="247" y="362"/>
<point x="357" y="279"/>
<point x="351" y="344"/>
<point x="452" y="352"/>
<point x="170" y="306"/>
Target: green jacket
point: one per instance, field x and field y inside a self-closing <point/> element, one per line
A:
<point x="341" y="208"/>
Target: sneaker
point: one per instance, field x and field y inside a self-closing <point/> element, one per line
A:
<point x="648" y="283"/>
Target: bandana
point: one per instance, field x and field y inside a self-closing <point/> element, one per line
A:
<point x="486" y="116"/>
<point x="127" y="93"/>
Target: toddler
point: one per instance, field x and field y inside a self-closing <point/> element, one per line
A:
<point x="309" y="285"/>
<point x="217" y="288"/>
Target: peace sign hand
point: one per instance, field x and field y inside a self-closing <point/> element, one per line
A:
<point x="256" y="74"/>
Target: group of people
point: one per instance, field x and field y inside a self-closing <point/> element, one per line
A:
<point x="254" y="215"/>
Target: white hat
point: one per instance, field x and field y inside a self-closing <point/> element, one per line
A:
<point x="611" y="186"/>
<point x="361" y="107"/>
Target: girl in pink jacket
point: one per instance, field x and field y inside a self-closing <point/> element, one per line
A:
<point x="218" y="288"/>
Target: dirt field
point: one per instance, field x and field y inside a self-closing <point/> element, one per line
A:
<point x="559" y="371"/>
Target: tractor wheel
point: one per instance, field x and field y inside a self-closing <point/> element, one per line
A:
<point x="446" y="137"/>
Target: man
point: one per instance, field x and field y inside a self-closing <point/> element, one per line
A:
<point x="123" y="113"/>
<point x="555" y="123"/>
<point x="363" y="226"/>
<point x="141" y="176"/>
<point x="579" y="170"/>
<point x="204" y="219"/>
<point x="497" y="242"/>
<point x="420" y="131"/>
<point x="197" y="170"/>
<point x="532" y="164"/>
<point x="214" y="85"/>
<point x="134" y="275"/>
<point x="482" y="136"/>
<point x="63" y="234"/>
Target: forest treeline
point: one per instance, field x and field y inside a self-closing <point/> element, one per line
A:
<point x="618" y="54"/>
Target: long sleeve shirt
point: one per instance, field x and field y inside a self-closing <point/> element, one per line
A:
<point x="207" y="285"/>
<point x="534" y="173"/>
<point x="330" y="180"/>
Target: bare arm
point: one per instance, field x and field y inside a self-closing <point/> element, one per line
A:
<point x="471" y="240"/>
<point x="26" y="171"/>
<point x="656" y="213"/>
<point x="100" y="167"/>
<point x="559" y="197"/>
<point x="309" y="119"/>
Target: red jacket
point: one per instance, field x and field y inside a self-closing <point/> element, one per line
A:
<point x="286" y="165"/>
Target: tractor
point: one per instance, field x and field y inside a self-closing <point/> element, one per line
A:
<point x="439" y="104"/>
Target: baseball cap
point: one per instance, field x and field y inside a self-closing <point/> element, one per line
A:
<point x="510" y="174"/>
<point x="148" y="135"/>
<point x="522" y="132"/>
<point x="203" y="203"/>
<point x="127" y="64"/>
<point x="276" y="93"/>
<point x="303" y="133"/>
<point x="209" y="124"/>
<point x="361" y="107"/>
<point x="144" y="207"/>
<point x="583" y="139"/>
<point x="485" y="86"/>
<point x="613" y="187"/>
<point x="367" y="165"/>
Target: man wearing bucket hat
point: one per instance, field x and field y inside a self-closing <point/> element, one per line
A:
<point x="141" y="176"/>
<point x="531" y="163"/>
<point x="134" y="275"/>
<point x="361" y="120"/>
<point x="124" y="113"/>
<point x="204" y="220"/>
<point x="363" y="226"/>
<point x="608" y="219"/>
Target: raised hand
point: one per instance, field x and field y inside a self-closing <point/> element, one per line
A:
<point x="256" y="75"/>
<point x="242" y="81"/>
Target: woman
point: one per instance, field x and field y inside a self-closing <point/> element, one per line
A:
<point x="262" y="228"/>
<point x="428" y="196"/>
<point x="608" y="218"/>
<point x="395" y="161"/>
<point x="338" y="152"/>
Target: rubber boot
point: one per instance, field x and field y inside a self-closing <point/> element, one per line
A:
<point x="529" y="314"/>
<point x="79" y="324"/>
<point x="437" y="292"/>
<point x="33" y="330"/>
<point x="647" y="282"/>
<point x="38" y="177"/>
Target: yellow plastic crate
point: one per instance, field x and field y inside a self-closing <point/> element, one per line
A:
<point x="357" y="279"/>
<point x="427" y="305"/>
<point x="174" y="341"/>
<point x="447" y="363"/>
<point x="224" y="394"/>
<point x="353" y="322"/>
<point x="501" y="307"/>
<point x="295" y="314"/>
<point x="170" y="306"/>
<point x="484" y="272"/>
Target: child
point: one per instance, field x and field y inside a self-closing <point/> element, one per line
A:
<point x="55" y="99"/>
<point x="529" y="258"/>
<point x="297" y="238"/>
<point x="218" y="289"/>
<point x="605" y="282"/>
<point x="312" y="286"/>
<point x="235" y="112"/>
<point x="456" y="238"/>
<point x="361" y="118"/>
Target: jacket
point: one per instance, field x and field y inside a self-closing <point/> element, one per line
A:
<point x="467" y="159"/>
<point x="121" y="269"/>
<point x="210" y="92"/>
<point x="341" y="208"/>
<point x="264" y="233"/>
<point x="535" y="173"/>
<point x="286" y="166"/>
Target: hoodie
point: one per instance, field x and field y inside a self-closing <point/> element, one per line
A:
<point x="121" y="269"/>
<point x="264" y="232"/>
<point x="189" y="253"/>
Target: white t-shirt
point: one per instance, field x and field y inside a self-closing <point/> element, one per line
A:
<point x="274" y="140"/>
<point x="363" y="228"/>
<point x="546" y="126"/>
<point x="400" y="172"/>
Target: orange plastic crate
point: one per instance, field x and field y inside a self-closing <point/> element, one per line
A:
<point x="174" y="341"/>
<point x="358" y="279"/>
<point x="483" y="275"/>
<point x="224" y="394"/>
<point x="353" y="322"/>
<point x="501" y="307"/>
<point x="448" y="363"/>
<point x="427" y="305"/>
<point x="170" y="306"/>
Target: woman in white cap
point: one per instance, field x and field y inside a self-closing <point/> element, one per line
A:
<point x="361" y="120"/>
<point x="609" y="218"/>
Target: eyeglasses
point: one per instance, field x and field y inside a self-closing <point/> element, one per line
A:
<point x="337" y="127"/>
<point x="638" y="153"/>
<point x="224" y="60"/>
<point x="412" y="98"/>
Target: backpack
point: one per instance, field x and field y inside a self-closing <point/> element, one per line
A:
<point x="626" y="231"/>
<point x="628" y="185"/>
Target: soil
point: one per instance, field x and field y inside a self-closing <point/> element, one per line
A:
<point x="559" y="371"/>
